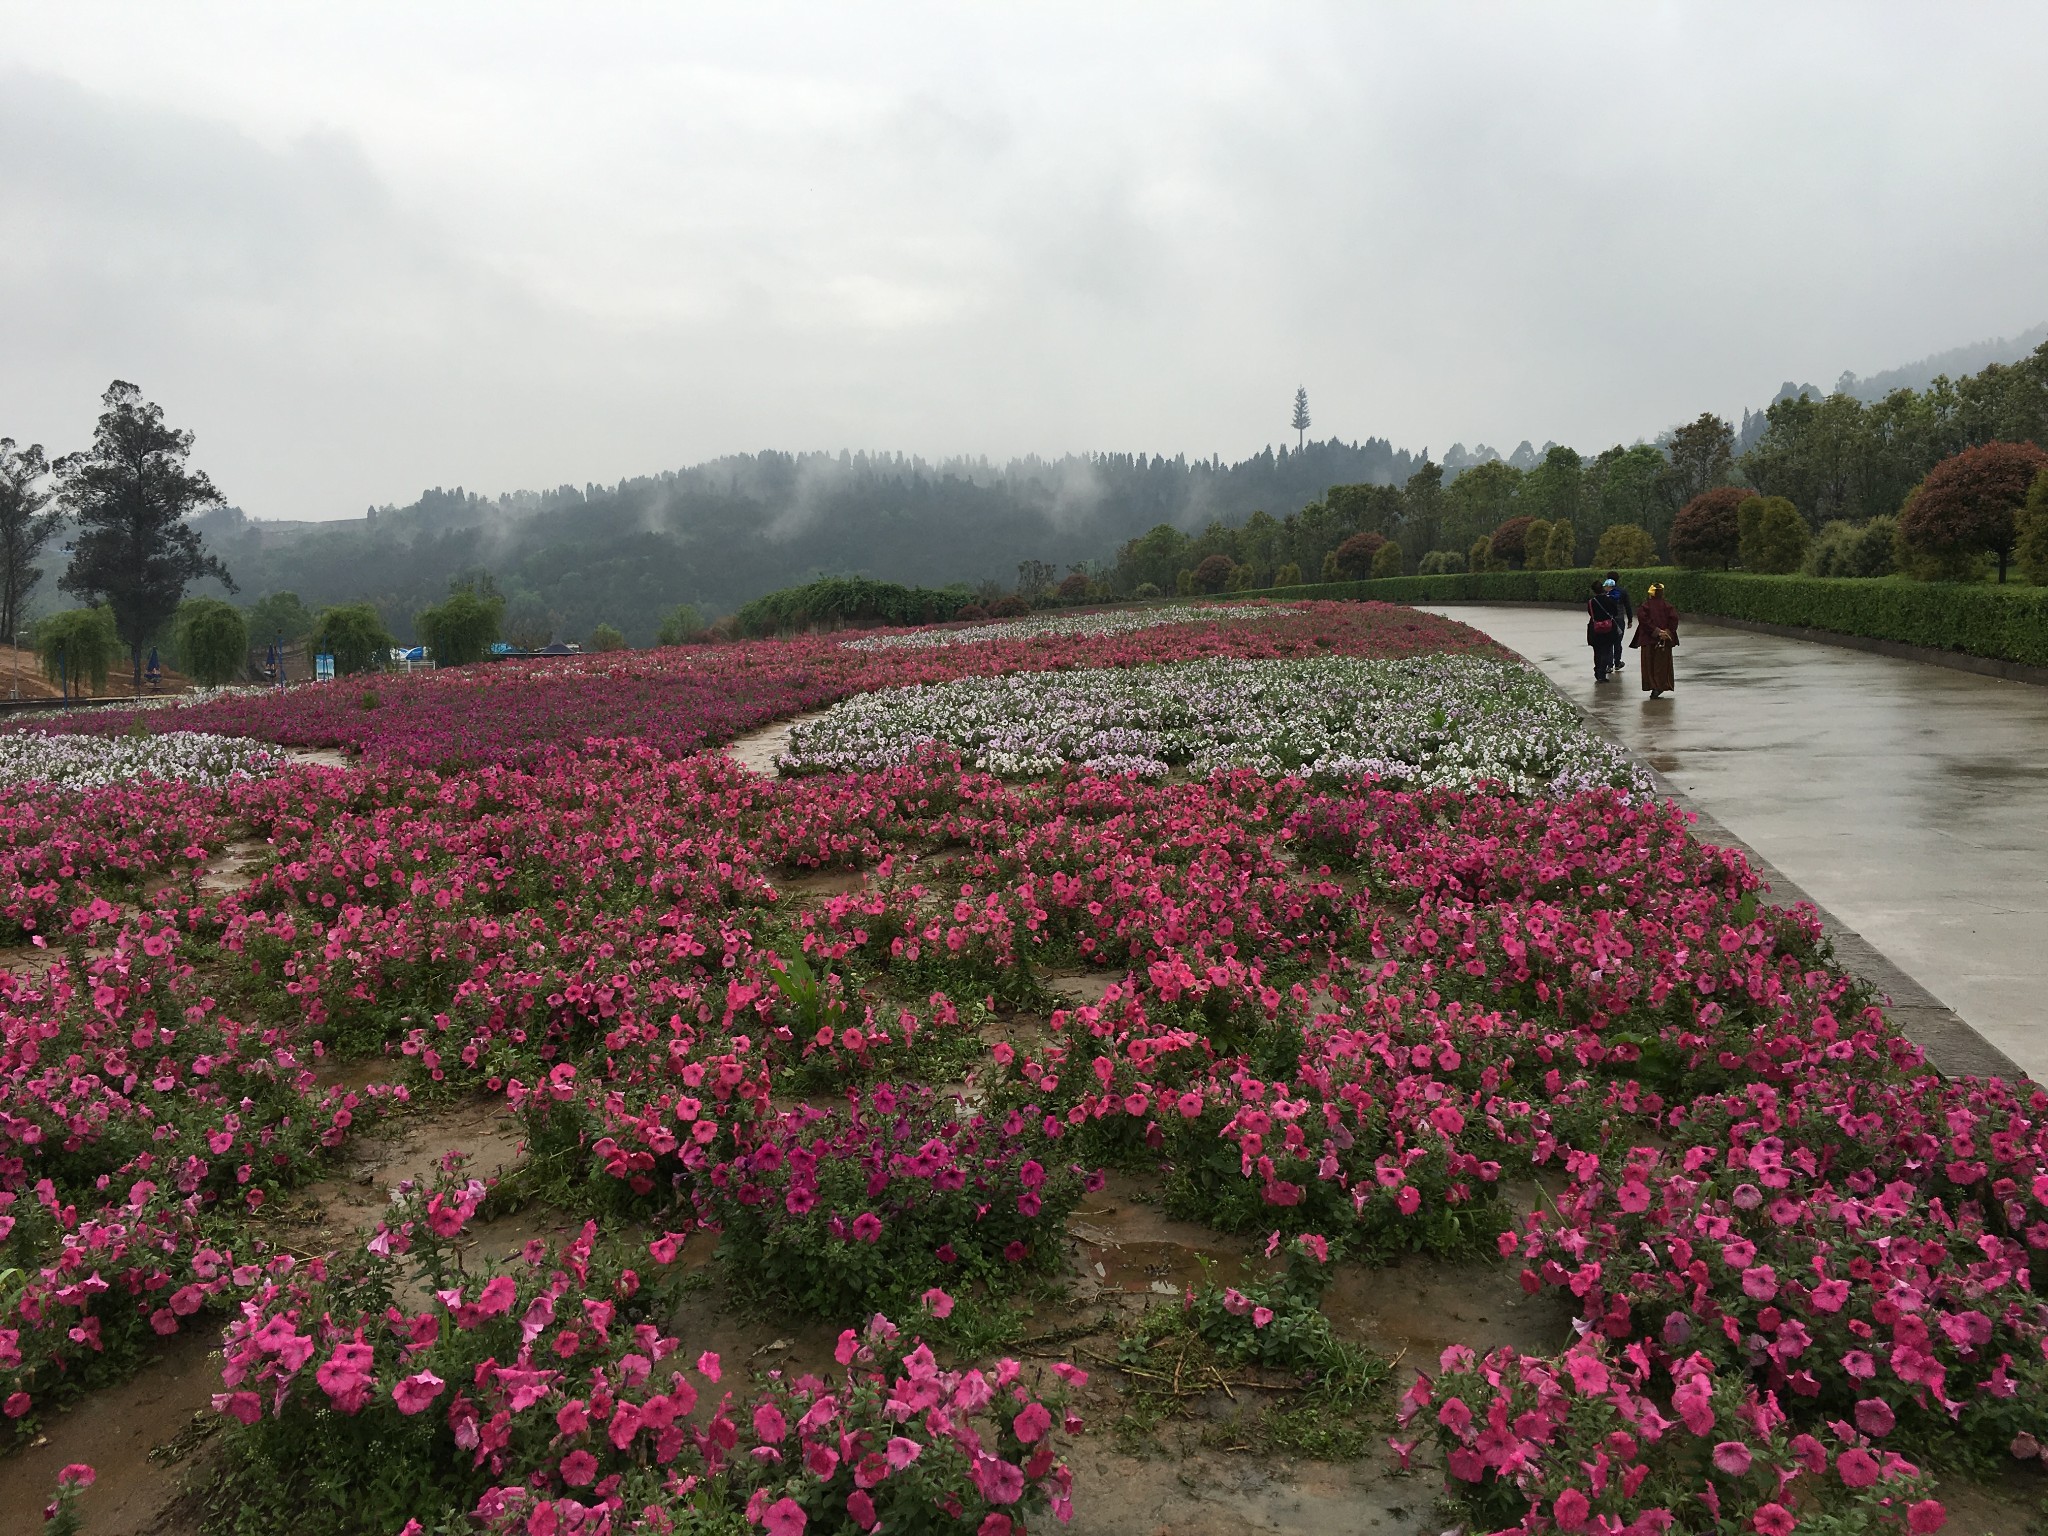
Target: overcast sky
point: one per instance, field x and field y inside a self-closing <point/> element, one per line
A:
<point x="365" y="248"/>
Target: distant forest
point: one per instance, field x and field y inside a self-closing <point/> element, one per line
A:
<point x="719" y="534"/>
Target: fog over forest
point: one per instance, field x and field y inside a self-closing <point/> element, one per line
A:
<point x="719" y="533"/>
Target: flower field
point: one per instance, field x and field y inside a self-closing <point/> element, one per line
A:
<point x="1051" y="626"/>
<point x="91" y="762"/>
<point x="1423" y="722"/>
<point x="824" y="1023"/>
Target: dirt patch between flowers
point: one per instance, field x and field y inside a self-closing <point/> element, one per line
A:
<point x="757" y="750"/>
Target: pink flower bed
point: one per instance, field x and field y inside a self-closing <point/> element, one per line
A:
<point x="1803" y="1265"/>
<point x="683" y="699"/>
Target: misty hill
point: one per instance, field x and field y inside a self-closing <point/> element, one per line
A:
<point x="720" y="533"/>
<point x="1954" y="363"/>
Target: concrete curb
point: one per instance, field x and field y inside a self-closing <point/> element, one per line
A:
<point x="1955" y="661"/>
<point x="1954" y="1047"/>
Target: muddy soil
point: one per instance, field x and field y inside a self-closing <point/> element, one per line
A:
<point x="758" y="750"/>
<point x="116" y="1430"/>
<point x="170" y="1400"/>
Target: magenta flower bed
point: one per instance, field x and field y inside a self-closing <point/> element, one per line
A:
<point x="681" y="700"/>
<point x="1804" y="1267"/>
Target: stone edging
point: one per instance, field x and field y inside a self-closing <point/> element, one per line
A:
<point x="1955" y="661"/>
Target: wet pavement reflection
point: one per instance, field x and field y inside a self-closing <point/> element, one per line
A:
<point x="1909" y="799"/>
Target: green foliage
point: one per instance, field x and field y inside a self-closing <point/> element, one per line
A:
<point x="1562" y="551"/>
<point x="1625" y="546"/>
<point x="280" y="617"/>
<point x="1850" y="549"/>
<point x="1387" y="562"/>
<point x="1325" y="1411"/>
<point x="681" y="625"/>
<point x="2033" y="541"/>
<point x="211" y="640"/>
<point x="461" y="628"/>
<point x="1979" y="619"/>
<point x="834" y="600"/>
<point x="355" y="636"/>
<point x="79" y="644"/>
<point x="606" y="638"/>
<point x="1774" y="536"/>
<point x="1441" y="562"/>
<point x="25" y="527"/>
<point x="1536" y="545"/>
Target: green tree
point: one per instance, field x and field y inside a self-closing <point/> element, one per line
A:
<point x="1625" y="547"/>
<point x="211" y="640"/>
<point x="355" y="636"/>
<point x="131" y="494"/>
<point x="1624" y="486"/>
<point x="1844" y="548"/>
<point x="1536" y="545"/>
<point x="1288" y="575"/>
<point x="282" y="617"/>
<point x="1388" y="561"/>
<point x="1553" y="490"/>
<point x="25" y="527"/>
<point x="1301" y="422"/>
<point x="461" y="627"/>
<point x="1562" y="553"/>
<point x="606" y="638"/>
<point x="78" y="646"/>
<point x="2033" y="540"/>
<point x="680" y="626"/>
<point x="1480" y="500"/>
<point x="1699" y="457"/>
<point x="1774" y="537"/>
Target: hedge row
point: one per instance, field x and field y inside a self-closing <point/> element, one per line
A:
<point x="2004" y="623"/>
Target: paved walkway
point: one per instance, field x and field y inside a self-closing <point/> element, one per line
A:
<point x="1909" y="800"/>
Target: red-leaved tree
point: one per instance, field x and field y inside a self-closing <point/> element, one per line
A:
<point x="1708" y="529"/>
<point x="1355" y="555"/>
<point x="1969" y="505"/>
<point x="1511" y="541"/>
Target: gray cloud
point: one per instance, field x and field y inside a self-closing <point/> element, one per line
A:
<point x="377" y="248"/>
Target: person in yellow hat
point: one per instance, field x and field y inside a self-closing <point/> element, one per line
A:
<point x="1656" y="637"/>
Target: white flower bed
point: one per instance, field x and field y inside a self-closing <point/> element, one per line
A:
<point x="1421" y="721"/>
<point x="91" y="762"/>
<point x="1041" y="626"/>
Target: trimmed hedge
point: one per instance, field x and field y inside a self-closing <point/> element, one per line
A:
<point x="2003" y="623"/>
<point x="834" y="600"/>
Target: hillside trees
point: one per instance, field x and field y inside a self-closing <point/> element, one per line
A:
<point x="132" y="494"/>
<point x="77" y="646"/>
<point x="26" y="525"/>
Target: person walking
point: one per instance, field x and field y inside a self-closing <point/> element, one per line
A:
<point x="1628" y="613"/>
<point x="1604" y="630"/>
<point x="1656" y="637"/>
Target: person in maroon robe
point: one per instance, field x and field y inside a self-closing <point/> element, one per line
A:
<point x="1656" y="636"/>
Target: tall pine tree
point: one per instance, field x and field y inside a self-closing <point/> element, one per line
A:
<point x="131" y="494"/>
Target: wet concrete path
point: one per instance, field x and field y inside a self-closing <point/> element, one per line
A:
<point x="1908" y="799"/>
